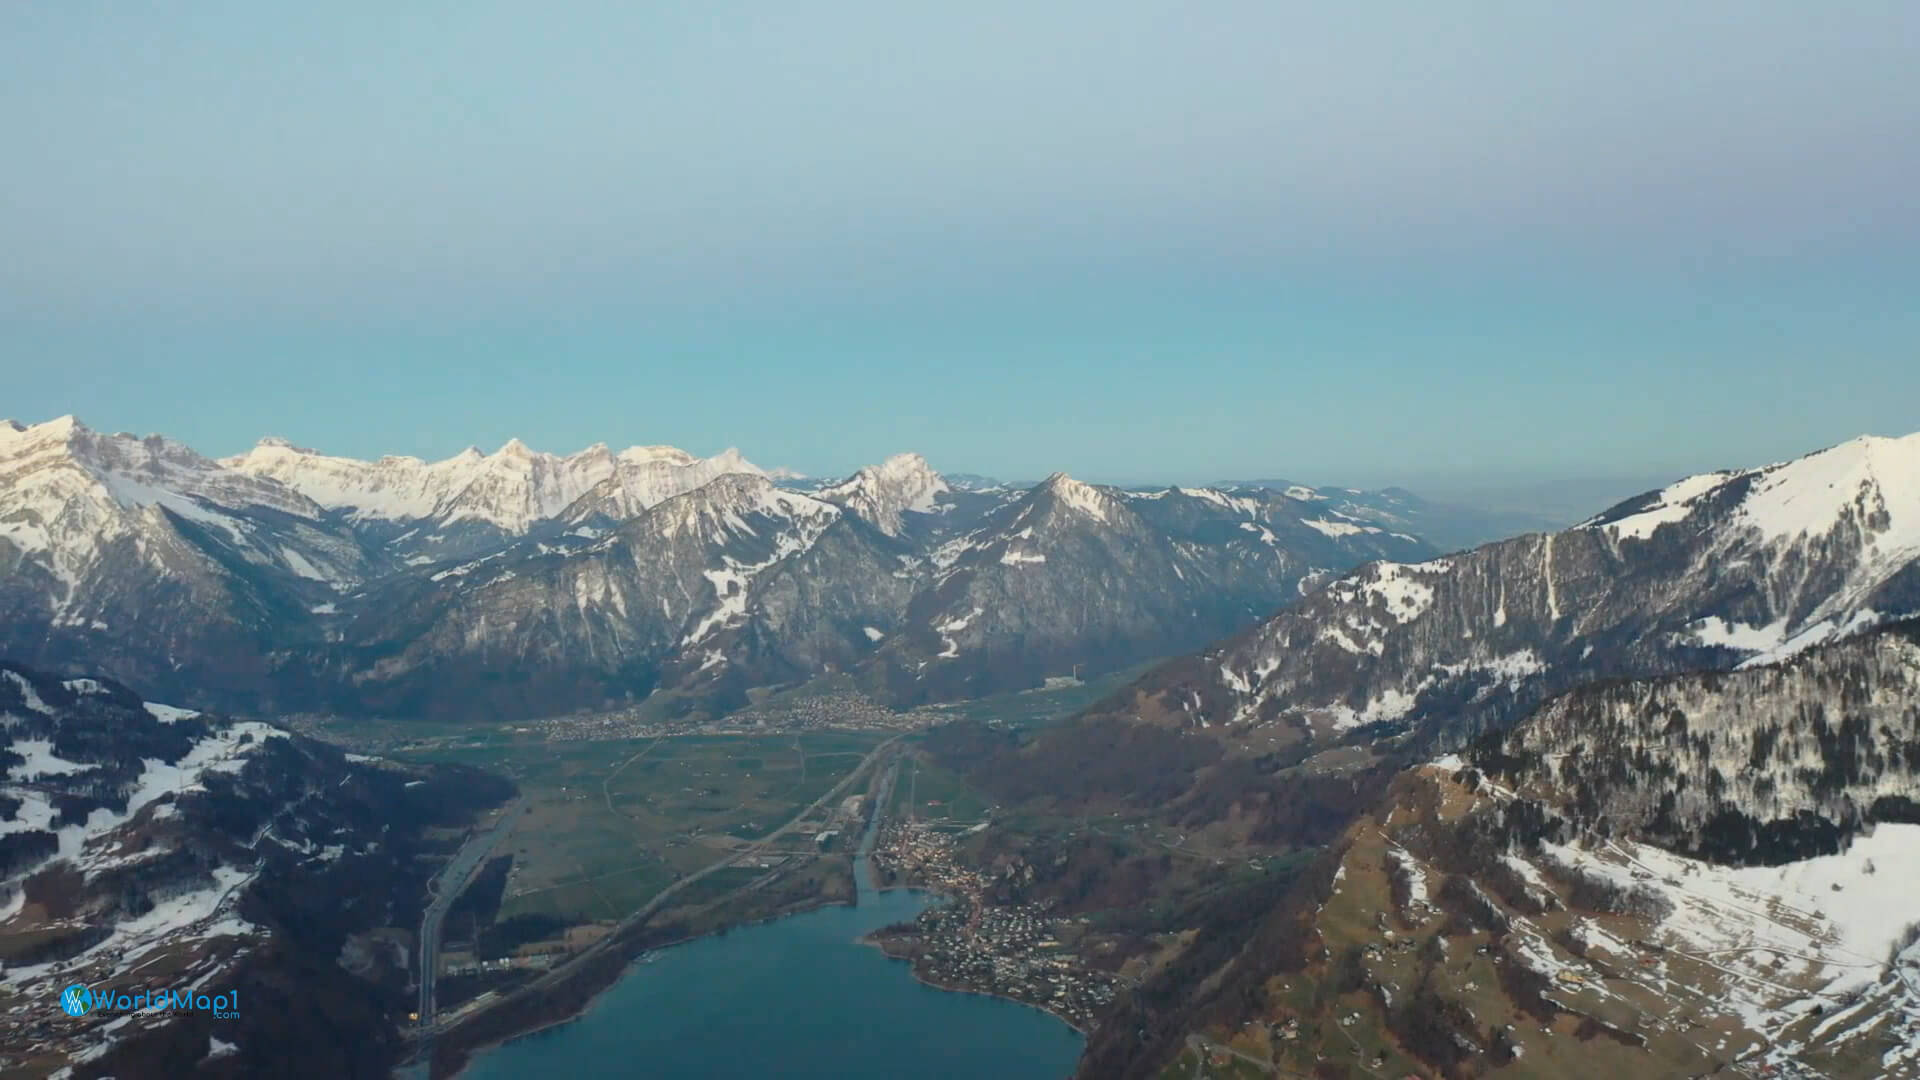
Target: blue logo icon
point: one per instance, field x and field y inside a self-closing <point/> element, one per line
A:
<point x="77" y="1000"/>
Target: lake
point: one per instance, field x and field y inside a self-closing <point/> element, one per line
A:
<point x="797" y="998"/>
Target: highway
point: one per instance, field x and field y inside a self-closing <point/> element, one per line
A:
<point x="445" y="888"/>
<point x="659" y="900"/>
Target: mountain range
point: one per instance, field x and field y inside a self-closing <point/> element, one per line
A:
<point x="1620" y="796"/>
<point x="528" y="583"/>
<point x="1639" y="793"/>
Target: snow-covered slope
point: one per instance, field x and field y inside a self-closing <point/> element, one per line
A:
<point x="510" y="490"/>
<point x="1704" y="874"/>
<point x="141" y="557"/>
<point x="1712" y="572"/>
<point x="903" y="497"/>
<point x="1077" y="579"/>
<point x="1862" y="497"/>
<point x="1588" y="954"/>
<point x="296" y="580"/>
<point x="143" y="847"/>
<point x="68" y="493"/>
<point x="585" y="623"/>
<point x="881" y="493"/>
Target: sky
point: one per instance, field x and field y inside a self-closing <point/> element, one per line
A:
<point x="1365" y="244"/>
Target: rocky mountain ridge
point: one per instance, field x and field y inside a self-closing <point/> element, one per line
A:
<point x="534" y="583"/>
<point x="1711" y="572"/>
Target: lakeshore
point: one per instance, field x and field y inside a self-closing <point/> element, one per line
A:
<point x="804" y="996"/>
<point x="797" y="988"/>
<point x="926" y="979"/>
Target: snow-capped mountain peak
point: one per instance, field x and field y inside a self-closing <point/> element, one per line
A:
<point x="904" y="483"/>
<point x="1729" y="569"/>
<point x="642" y="477"/>
<point x="642" y="455"/>
<point x="134" y="471"/>
<point x="70" y="496"/>
<point x="510" y="489"/>
<point x="1871" y="482"/>
<point x="1084" y="498"/>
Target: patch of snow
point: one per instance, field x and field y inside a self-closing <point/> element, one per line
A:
<point x="299" y="564"/>
<point x="219" y="1048"/>
<point x="167" y="714"/>
<point x="1675" y="502"/>
<point x="730" y="589"/>
<point x="1833" y="917"/>
<point x="1336" y="529"/>
<point x="41" y="761"/>
<point x="1239" y="504"/>
<point x="1407" y="598"/>
<point x="950" y="627"/>
<point x="1818" y="633"/>
<point x="1392" y="704"/>
<point x="1713" y="630"/>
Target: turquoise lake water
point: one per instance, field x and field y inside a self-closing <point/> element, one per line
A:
<point x="797" y="998"/>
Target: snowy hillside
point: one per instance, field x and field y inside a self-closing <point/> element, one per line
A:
<point x="1712" y="572"/>
<point x="144" y="847"/>
<point x="472" y="501"/>
<point x="283" y="578"/>
<point x="69" y="495"/>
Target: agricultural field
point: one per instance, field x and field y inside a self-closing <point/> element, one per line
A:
<point x="1044" y="706"/>
<point x="611" y="822"/>
<point x="931" y="793"/>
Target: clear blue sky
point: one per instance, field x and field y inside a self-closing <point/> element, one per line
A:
<point x="1344" y="243"/>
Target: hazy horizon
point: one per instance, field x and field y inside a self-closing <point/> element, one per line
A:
<point x="1128" y="241"/>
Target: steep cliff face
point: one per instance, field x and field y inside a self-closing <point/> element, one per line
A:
<point x="1712" y="572"/>
<point x="141" y="556"/>
<point x="144" y="847"/>
<point x="531" y="629"/>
